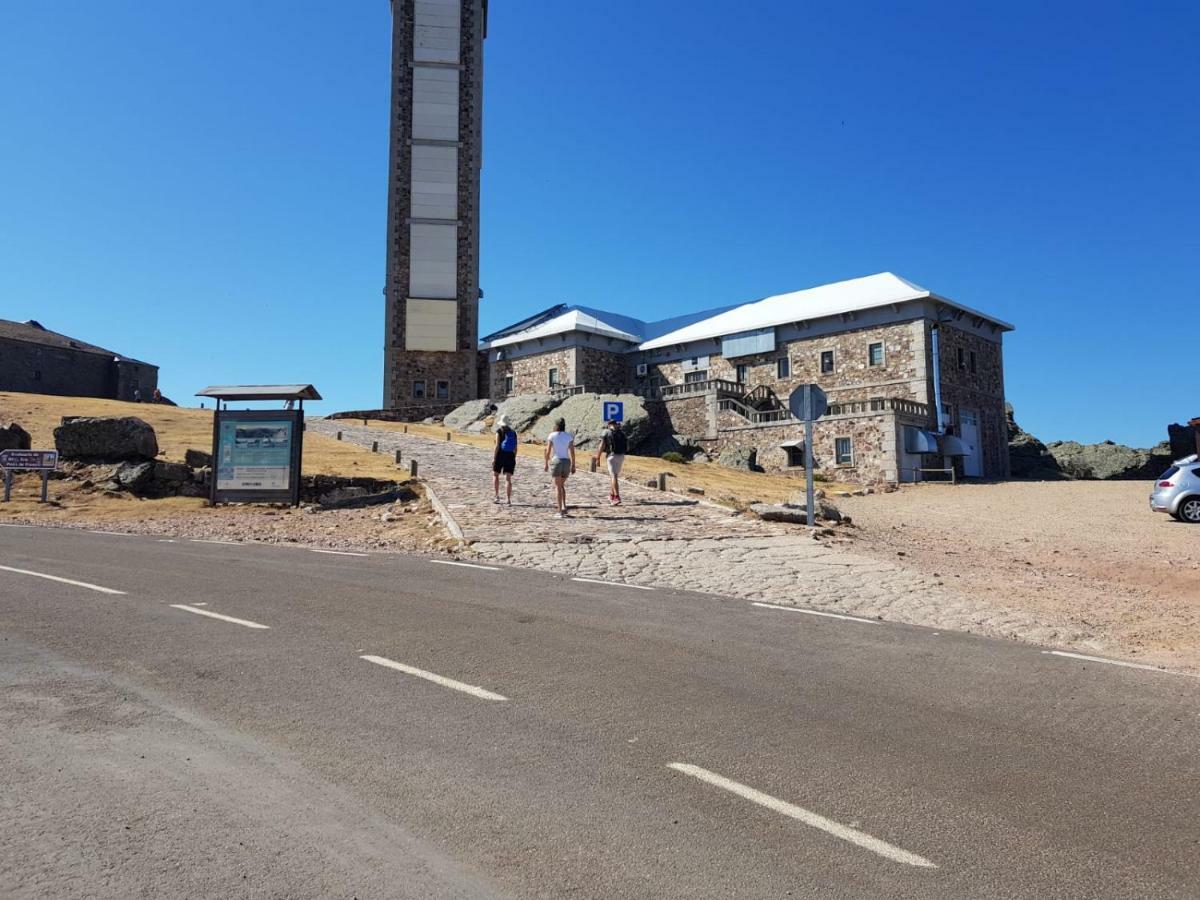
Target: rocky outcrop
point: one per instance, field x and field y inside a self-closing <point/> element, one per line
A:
<point x="796" y="513"/>
<point x="108" y="439"/>
<point x="1027" y="456"/>
<point x="1184" y="440"/>
<point x="466" y="414"/>
<point x="523" y="411"/>
<point x="745" y="458"/>
<point x="14" y="437"/>
<point x="1109" y="460"/>
<point x="585" y="419"/>
<point x="197" y="459"/>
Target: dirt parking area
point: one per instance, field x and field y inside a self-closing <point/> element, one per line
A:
<point x="1085" y="552"/>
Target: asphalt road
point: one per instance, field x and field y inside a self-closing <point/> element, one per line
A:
<point x="405" y="728"/>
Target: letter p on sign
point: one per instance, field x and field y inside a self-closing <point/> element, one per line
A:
<point x="614" y="411"/>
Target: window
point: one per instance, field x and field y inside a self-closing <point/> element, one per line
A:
<point x="695" y="377"/>
<point x="508" y="385"/>
<point x="962" y="361"/>
<point x="843" y="452"/>
<point x="826" y="362"/>
<point x="795" y="457"/>
<point x="553" y="377"/>
<point x="419" y="390"/>
<point x="783" y="367"/>
<point x="875" y="354"/>
<point x="740" y="373"/>
<point x="974" y="367"/>
<point x="443" y="390"/>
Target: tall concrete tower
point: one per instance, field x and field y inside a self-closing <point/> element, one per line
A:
<point x="432" y="287"/>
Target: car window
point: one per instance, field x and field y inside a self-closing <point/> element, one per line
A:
<point x="1167" y="474"/>
<point x="1196" y="472"/>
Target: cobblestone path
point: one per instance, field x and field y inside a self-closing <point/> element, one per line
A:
<point x="669" y="540"/>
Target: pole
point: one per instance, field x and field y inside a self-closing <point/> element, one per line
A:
<point x="7" y="485"/>
<point x="809" y="499"/>
<point x="45" y="483"/>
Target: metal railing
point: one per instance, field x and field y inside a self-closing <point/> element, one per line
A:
<point x="757" y="416"/>
<point x="688" y="388"/>
<point x="879" y="404"/>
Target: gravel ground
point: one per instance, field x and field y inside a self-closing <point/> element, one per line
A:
<point x="1087" y="554"/>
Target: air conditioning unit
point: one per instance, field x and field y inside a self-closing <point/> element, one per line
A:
<point x="642" y="368"/>
<point x="499" y="355"/>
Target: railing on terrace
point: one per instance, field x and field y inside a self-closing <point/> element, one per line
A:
<point x="720" y="385"/>
<point x="567" y="390"/>
<point x="757" y="416"/>
<point x="879" y="404"/>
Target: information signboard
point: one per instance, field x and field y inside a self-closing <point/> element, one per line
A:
<point x="256" y="456"/>
<point x="44" y="461"/>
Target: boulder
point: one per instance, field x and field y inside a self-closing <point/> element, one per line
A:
<point x="127" y="438"/>
<point x="523" y="411"/>
<point x="1184" y="440"/>
<point x="341" y="495"/>
<point x="745" y="458"/>
<point x="1108" y="460"/>
<point x="800" y="498"/>
<point x="14" y="437"/>
<point x="197" y="459"/>
<point x="1027" y="456"/>
<point x="585" y="419"/>
<point x="172" y="472"/>
<point x="464" y="415"/>
<point x="135" y="476"/>
<point x="796" y="513"/>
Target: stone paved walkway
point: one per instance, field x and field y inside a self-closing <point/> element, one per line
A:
<point x="668" y="540"/>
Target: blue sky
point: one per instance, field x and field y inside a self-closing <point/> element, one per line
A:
<point x="204" y="185"/>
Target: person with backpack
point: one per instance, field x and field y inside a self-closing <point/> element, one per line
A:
<point x="614" y="443"/>
<point x="560" y="451"/>
<point x="504" y="461"/>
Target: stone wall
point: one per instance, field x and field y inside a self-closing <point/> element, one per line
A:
<point x="531" y="374"/>
<point x="981" y="390"/>
<point x="599" y="369"/>
<point x="34" y="368"/>
<point x="692" y="416"/>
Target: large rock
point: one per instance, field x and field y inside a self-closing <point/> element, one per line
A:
<point x="585" y="419"/>
<point x="1183" y="440"/>
<point x="1027" y="456"/>
<point x="197" y="459"/>
<point x="134" y="476"/>
<point x="523" y="411"/>
<point x="14" y="437"/>
<point x="1109" y="460"/>
<point x="471" y="411"/>
<point x="105" y="439"/>
<point x="745" y="458"/>
<point x="796" y="513"/>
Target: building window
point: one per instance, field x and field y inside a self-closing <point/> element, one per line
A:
<point x="962" y="359"/>
<point x="795" y="457"/>
<point x="826" y="362"/>
<point x="695" y="377"/>
<point x="875" y="354"/>
<point x="843" y="452"/>
<point x="508" y="385"/>
<point x="783" y="367"/>
<point x="553" y="377"/>
<point x="443" y="390"/>
<point x="973" y="363"/>
<point x="419" y="390"/>
<point x="741" y="372"/>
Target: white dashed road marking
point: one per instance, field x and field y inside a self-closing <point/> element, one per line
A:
<point x="639" y="587"/>
<point x="1117" y="662"/>
<point x="844" y="832"/>
<point x="334" y="552"/>
<point x="212" y="615"/>
<point x="13" y="525"/>
<point x="816" y="612"/>
<point x="212" y="541"/>
<point x="82" y="584"/>
<point x="447" y="562"/>
<point x="471" y="689"/>
<point x="114" y="533"/>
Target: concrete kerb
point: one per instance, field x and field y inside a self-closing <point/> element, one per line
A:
<point x="448" y="520"/>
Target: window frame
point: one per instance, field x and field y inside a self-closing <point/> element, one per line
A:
<point x="552" y="376"/>
<point x="509" y="384"/>
<point x="832" y="354"/>
<point x="973" y="363"/>
<point x="837" y="451"/>
<point x="871" y="364"/>
<point x="795" y="457"/>
<point x="701" y="373"/>
<point x="418" y="393"/>
<point x="437" y="389"/>
<point x="741" y="373"/>
<point x="783" y="368"/>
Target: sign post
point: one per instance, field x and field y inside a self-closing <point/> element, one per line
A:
<point x="808" y="403"/>
<point x="43" y="461"/>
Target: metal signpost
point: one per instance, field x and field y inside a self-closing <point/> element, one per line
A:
<point x="808" y="402"/>
<point x="44" y="461"/>
<point x="614" y="411"/>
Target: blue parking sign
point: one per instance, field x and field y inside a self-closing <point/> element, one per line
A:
<point x="614" y="411"/>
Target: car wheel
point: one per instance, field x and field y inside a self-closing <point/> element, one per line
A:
<point x="1189" y="510"/>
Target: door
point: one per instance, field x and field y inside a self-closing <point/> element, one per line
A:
<point x="968" y="420"/>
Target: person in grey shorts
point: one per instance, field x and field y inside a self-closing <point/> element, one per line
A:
<point x="560" y="462"/>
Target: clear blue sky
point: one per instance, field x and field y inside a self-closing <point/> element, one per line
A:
<point x="203" y="184"/>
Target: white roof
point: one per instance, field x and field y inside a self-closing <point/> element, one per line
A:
<point x="572" y="320"/>
<point x="834" y="299"/>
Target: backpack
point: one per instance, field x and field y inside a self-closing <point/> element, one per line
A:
<point x="617" y="442"/>
<point x="508" y="440"/>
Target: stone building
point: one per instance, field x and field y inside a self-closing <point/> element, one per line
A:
<point x="432" y="283"/>
<point x="886" y="352"/>
<point x="35" y="360"/>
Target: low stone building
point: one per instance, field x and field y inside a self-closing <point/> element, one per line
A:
<point x="886" y="351"/>
<point x="36" y="360"/>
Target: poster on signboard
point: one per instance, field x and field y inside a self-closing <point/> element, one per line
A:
<point x="254" y="454"/>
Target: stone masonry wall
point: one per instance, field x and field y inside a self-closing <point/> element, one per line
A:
<point x="39" y="369"/>
<point x="981" y="390"/>
<point x="598" y="369"/>
<point x="531" y="374"/>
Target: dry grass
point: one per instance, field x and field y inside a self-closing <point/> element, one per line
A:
<point x="723" y="485"/>
<point x="178" y="429"/>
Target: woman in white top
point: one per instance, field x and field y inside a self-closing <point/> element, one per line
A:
<point x="560" y="452"/>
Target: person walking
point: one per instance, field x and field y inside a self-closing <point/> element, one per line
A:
<point x="614" y="443"/>
<point x="504" y="461"/>
<point x="560" y="451"/>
